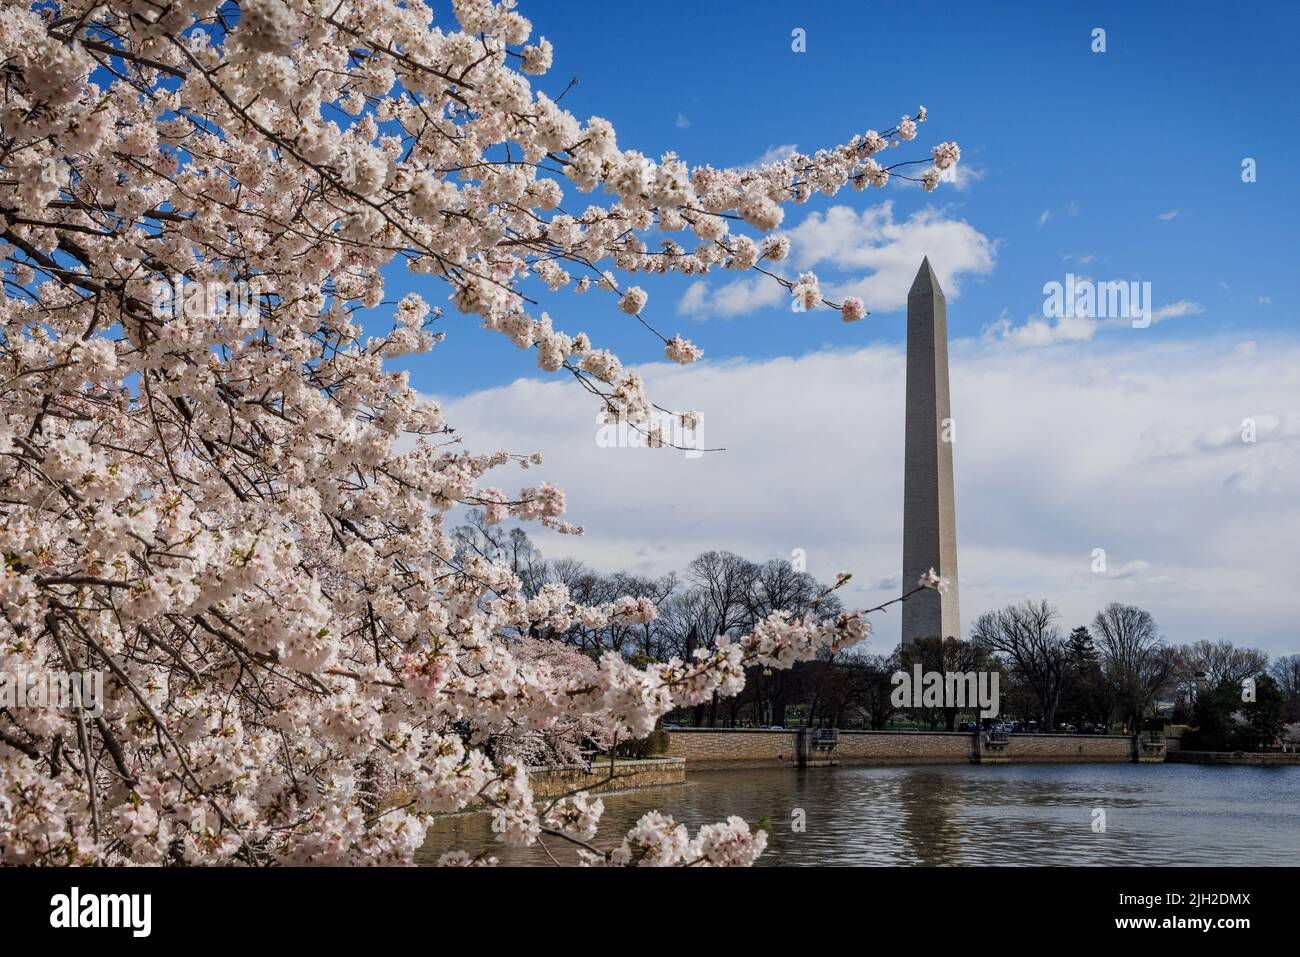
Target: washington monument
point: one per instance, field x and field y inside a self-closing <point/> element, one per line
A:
<point x="929" y="515"/>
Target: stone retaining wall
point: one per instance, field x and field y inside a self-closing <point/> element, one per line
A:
<point x="624" y="775"/>
<point x="551" y="782"/>
<point x="732" y="747"/>
<point x="1070" y="747"/>
<point x="904" y="747"/>
<point x="705" y="748"/>
<point x="1233" y="757"/>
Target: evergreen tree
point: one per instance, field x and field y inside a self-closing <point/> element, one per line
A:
<point x="1080" y="648"/>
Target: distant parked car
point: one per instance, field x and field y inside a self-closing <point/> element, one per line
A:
<point x="968" y="726"/>
<point x="1065" y="726"/>
<point x="776" y="727"/>
<point x="672" y="727"/>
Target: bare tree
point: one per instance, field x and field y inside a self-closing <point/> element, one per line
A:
<point x="585" y="585"/>
<point x="1028" y="636"/>
<point x="724" y="580"/>
<point x="499" y="543"/>
<point x="686" y="622"/>
<point x="944" y="655"/>
<point x="872" y="691"/>
<point x="777" y="586"/>
<point x="631" y="640"/>
<point x="1220" y="661"/>
<point x="1134" y="658"/>
<point x="1286" y="672"/>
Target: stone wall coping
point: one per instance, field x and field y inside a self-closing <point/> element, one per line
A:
<point x="959" y="734"/>
<point x="1070" y="735"/>
<point x="1282" y="757"/>
<point x="729" y="730"/>
<point x="946" y="734"/>
<point x="602" y="764"/>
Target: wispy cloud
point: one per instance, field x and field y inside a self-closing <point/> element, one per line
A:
<point x="773" y="154"/>
<point x="682" y="121"/>
<point x="1183" y="307"/>
<point x="962" y="176"/>
<point x="1072" y="208"/>
<point x="1166" y="217"/>
<point x="1038" y="331"/>
<point x="731" y="299"/>
<point x="868" y="254"/>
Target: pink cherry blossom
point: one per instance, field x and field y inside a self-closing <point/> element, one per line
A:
<point x="236" y="509"/>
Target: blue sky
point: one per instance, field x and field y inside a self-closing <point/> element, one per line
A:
<point x="1157" y="125"/>
<point x="1122" y="165"/>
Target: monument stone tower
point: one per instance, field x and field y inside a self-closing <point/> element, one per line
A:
<point x="929" y="513"/>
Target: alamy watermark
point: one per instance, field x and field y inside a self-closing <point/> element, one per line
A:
<point x="946" y="689"/>
<point x="75" y="909"/>
<point x="60" y="690"/>
<point x="1084" y="299"/>
<point x="179" y="297"/>
<point x="684" y="432"/>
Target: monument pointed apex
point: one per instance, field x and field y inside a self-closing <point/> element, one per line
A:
<point x="926" y="282"/>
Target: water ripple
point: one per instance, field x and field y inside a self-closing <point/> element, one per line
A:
<point x="968" y="814"/>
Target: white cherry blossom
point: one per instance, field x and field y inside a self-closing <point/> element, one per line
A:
<point x="238" y="513"/>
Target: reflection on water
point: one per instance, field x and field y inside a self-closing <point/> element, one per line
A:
<point x="1176" y="814"/>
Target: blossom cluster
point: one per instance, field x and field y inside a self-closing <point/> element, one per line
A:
<point x="239" y="515"/>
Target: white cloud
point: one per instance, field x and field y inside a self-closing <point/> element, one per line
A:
<point x="1134" y="569"/>
<point x="682" y="121"/>
<point x="773" y="154"/>
<point x="891" y="250"/>
<point x="1038" y="331"/>
<point x="734" y="298"/>
<point x="1166" y="217"/>
<point x="1183" y="307"/>
<point x="695" y="299"/>
<point x="962" y="176"/>
<point x="1072" y="209"/>
<point x="1135" y="450"/>
<point x="1041" y="331"/>
<point x="844" y="240"/>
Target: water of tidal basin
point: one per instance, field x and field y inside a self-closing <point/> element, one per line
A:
<point x="1172" y="814"/>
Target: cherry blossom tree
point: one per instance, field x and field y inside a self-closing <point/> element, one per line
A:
<point x="216" y="491"/>
<point x="1291" y="736"/>
<point x="571" y="739"/>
